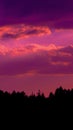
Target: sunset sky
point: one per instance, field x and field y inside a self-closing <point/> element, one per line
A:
<point x="36" y="45"/>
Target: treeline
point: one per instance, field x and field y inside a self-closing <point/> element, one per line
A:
<point x="61" y="98"/>
<point x="22" y="108"/>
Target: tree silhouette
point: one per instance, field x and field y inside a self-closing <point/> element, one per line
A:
<point x="36" y="109"/>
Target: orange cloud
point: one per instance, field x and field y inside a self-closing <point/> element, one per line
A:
<point x="21" y="50"/>
<point x="3" y="50"/>
<point x="33" y="48"/>
<point x="22" y="31"/>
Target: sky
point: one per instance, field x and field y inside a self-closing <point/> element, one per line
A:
<point x="36" y="45"/>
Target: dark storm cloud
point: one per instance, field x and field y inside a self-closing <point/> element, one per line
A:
<point x="38" y="12"/>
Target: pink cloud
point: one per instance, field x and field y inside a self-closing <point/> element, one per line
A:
<point x="38" y="59"/>
<point x="22" y="31"/>
<point x="26" y="49"/>
<point x="22" y="34"/>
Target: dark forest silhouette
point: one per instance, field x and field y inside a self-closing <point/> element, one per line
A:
<point x="18" y="107"/>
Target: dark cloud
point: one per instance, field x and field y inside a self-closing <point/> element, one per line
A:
<point x="37" y="12"/>
<point x="8" y="36"/>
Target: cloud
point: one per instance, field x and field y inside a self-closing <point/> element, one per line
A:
<point x="23" y="31"/>
<point x="3" y="50"/>
<point x="60" y="63"/>
<point x="29" y="49"/>
<point x="36" y="59"/>
<point x="24" y="34"/>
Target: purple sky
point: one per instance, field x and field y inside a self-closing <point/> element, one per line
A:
<point x="54" y="13"/>
<point x="36" y="45"/>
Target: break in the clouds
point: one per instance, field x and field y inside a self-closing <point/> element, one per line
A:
<point x="54" y="13"/>
<point x="36" y="59"/>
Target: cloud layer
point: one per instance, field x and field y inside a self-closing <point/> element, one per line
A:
<point x="26" y="34"/>
<point x="36" y="59"/>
